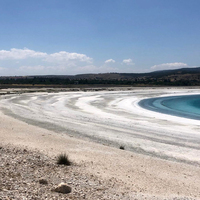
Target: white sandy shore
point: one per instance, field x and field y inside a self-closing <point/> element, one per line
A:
<point x="52" y="122"/>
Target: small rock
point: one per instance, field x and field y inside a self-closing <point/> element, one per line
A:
<point x="43" y="181"/>
<point x="63" y="188"/>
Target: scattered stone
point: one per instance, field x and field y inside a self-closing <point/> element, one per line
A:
<point x="20" y="180"/>
<point x="43" y="181"/>
<point x="63" y="188"/>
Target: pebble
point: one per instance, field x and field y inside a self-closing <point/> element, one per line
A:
<point x="43" y="181"/>
<point x="63" y="188"/>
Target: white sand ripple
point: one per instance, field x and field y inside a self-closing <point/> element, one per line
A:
<point x="112" y="118"/>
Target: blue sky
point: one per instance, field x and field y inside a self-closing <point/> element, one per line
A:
<point x="97" y="36"/>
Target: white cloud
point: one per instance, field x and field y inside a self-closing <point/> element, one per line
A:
<point x="128" y="62"/>
<point x="64" y="56"/>
<point x="110" y="61"/>
<point x="27" y="62"/>
<point x="174" y="65"/>
<point x="19" y="54"/>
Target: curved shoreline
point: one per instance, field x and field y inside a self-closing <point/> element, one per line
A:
<point x="158" y="104"/>
<point x="111" y="118"/>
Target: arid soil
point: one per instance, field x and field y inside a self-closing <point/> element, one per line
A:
<point x="21" y="171"/>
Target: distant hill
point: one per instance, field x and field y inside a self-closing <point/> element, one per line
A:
<point x="176" y="77"/>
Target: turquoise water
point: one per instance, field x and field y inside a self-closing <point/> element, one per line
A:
<point x="187" y="106"/>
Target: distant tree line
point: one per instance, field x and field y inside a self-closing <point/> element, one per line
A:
<point x="146" y="81"/>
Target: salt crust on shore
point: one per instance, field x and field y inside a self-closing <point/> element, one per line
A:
<point x="123" y="174"/>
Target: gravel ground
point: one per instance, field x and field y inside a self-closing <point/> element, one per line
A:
<point x="21" y="170"/>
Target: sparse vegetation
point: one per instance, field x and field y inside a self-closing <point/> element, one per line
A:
<point x="63" y="159"/>
<point x="122" y="147"/>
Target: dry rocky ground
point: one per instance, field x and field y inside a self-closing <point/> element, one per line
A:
<point x="21" y="170"/>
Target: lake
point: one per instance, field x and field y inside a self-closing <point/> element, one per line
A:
<point x="187" y="106"/>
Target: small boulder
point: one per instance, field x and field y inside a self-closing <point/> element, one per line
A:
<point x="63" y="188"/>
<point x="43" y="181"/>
